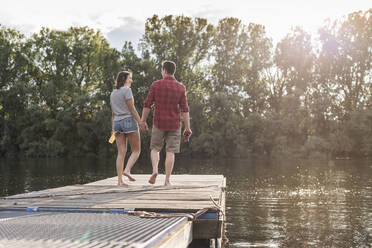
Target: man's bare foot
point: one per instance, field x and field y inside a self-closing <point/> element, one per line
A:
<point x="152" y="179"/>
<point x="129" y="176"/>
<point x="167" y="183"/>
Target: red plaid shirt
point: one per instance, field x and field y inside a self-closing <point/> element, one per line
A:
<point x="170" y="100"/>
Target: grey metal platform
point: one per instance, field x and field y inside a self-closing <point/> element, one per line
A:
<point x="47" y="229"/>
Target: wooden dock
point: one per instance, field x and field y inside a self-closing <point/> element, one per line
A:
<point x="188" y="194"/>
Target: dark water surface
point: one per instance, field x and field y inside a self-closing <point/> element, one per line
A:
<point x="277" y="204"/>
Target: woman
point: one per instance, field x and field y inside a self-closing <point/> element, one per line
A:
<point x="125" y="121"/>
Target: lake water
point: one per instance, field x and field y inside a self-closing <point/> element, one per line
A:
<point x="269" y="204"/>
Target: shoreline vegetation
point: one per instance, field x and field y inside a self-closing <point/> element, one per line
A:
<point x="309" y="95"/>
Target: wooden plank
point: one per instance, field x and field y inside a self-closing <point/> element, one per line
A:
<point x="195" y="196"/>
<point x="175" y="179"/>
<point x="211" y="229"/>
<point x="222" y="217"/>
<point x="204" y="196"/>
<point x="84" y="189"/>
<point x="138" y="206"/>
<point x="117" y="204"/>
<point x="186" y="193"/>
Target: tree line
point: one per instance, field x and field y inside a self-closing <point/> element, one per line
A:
<point x="309" y="94"/>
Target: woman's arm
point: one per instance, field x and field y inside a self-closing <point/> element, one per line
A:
<point x="134" y="112"/>
<point x="112" y="121"/>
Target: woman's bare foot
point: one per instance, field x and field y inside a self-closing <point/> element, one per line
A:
<point x="152" y="179"/>
<point x="167" y="183"/>
<point x="122" y="184"/>
<point x="129" y="176"/>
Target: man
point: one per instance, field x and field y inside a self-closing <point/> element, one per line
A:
<point x="169" y="97"/>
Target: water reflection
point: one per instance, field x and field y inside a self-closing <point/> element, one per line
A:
<point x="313" y="205"/>
<point x="282" y="204"/>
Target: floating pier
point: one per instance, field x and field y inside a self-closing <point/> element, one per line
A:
<point x="190" y="213"/>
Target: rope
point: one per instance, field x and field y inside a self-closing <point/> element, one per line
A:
<point x="190" y="216"/>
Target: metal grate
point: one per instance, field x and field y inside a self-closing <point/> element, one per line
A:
<point x="82" y="230"/>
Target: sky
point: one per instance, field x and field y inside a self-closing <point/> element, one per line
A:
<point x="124" y="20"/>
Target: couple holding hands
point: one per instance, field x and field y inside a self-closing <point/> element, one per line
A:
<point x="169" y="99"/>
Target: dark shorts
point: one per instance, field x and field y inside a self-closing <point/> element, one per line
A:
<point x="172" y="140"/>
<point x="126" y="125"/>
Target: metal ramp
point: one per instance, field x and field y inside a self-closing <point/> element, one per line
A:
<point x="57" y="229"/>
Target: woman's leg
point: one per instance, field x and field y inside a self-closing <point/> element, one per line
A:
<point x="155" y="157"/>
<point x="135" y="146"/>
<point x="121" y="142"/>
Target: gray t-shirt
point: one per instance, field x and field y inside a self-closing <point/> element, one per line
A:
<point x="118" y="100"/>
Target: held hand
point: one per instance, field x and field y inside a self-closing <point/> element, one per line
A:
<point x="187" y="134"/>
<point x="143" y="126"/>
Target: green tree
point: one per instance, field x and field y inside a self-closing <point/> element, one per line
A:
<point x="294" y="60"/>
<point x="184" y="40"/>
<point x="76" y="70"/>
<point x="345" y="60"/>
<point x="241" y="53"/>
<point x="16" y="72"/>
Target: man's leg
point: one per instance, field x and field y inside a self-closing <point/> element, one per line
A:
<point x="156" y="144"/>
<point x="155" y="163"/>
<point x="169" y="162"/>
<point x="172" y="140"/>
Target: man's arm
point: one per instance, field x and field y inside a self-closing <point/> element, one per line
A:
<point x="145" y="113"/>
<point x="185" y="114"/>
<point x="186" y="121"/>
<point x="147" y="105"/>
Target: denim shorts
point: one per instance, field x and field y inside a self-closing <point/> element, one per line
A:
<point x="126" y="125"/>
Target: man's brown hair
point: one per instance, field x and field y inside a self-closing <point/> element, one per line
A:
<point x="169" y="67"/>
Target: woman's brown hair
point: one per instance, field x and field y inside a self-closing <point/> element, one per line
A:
<point x="121" y="78"/>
